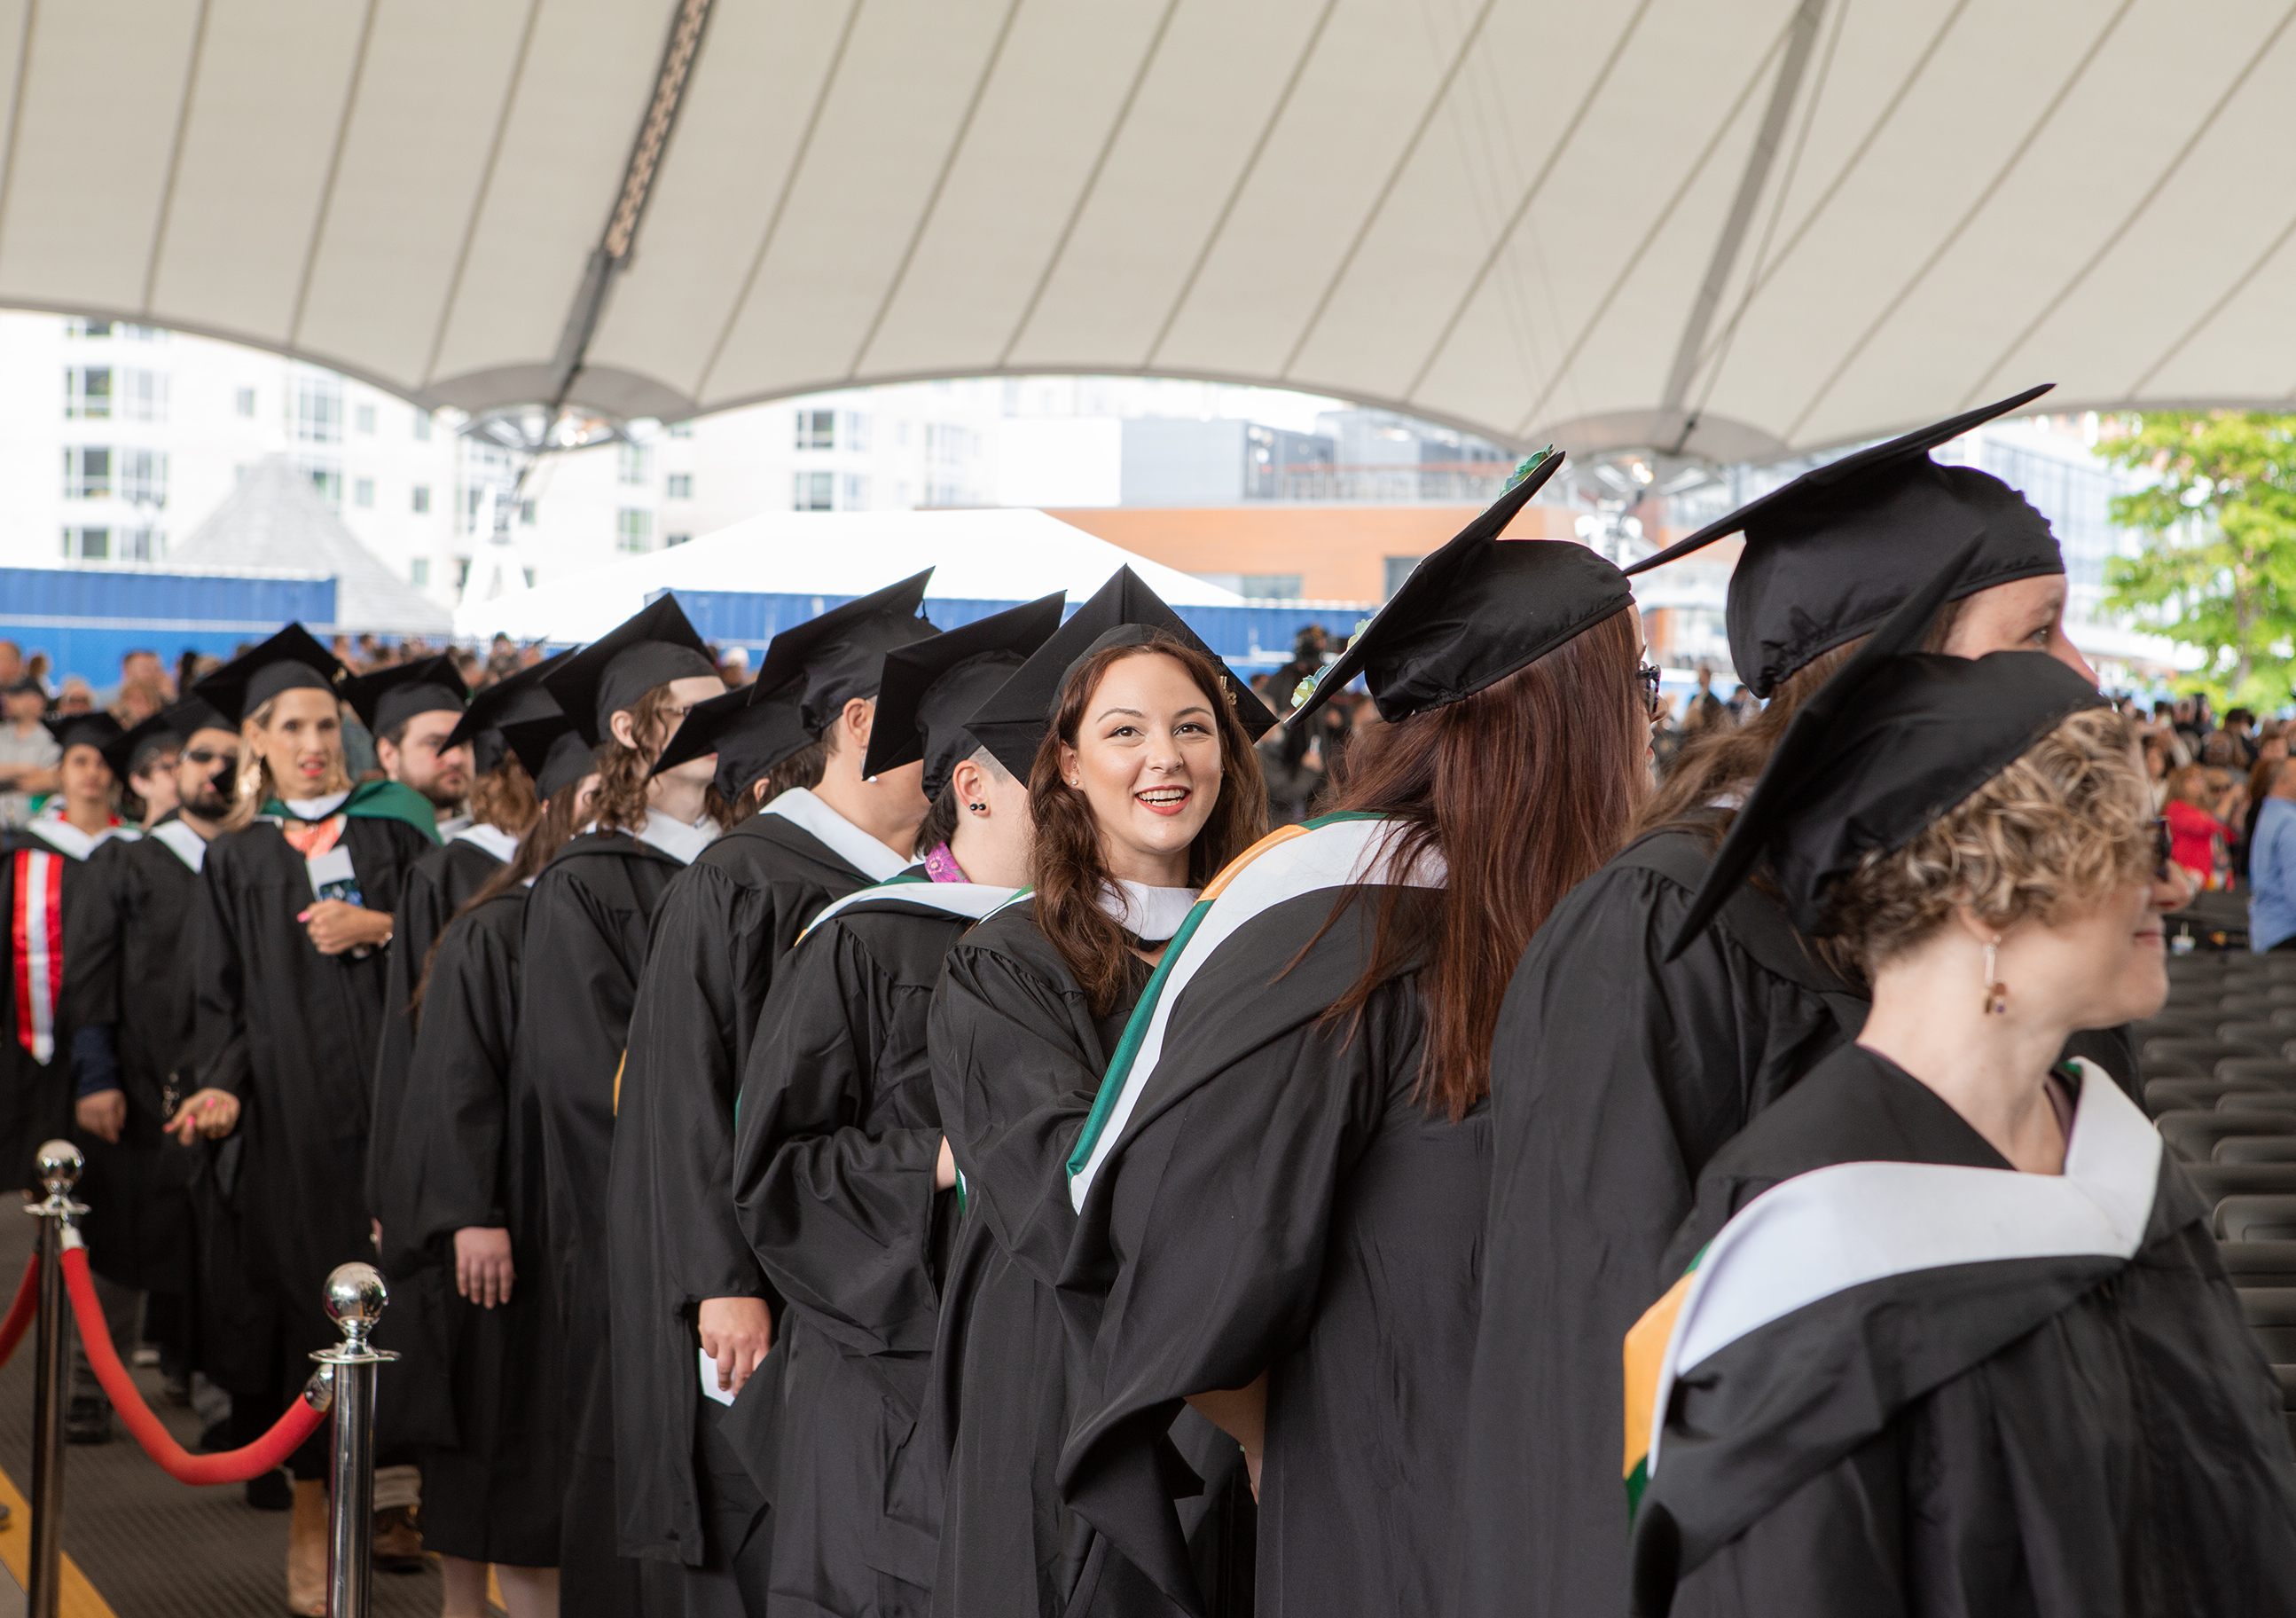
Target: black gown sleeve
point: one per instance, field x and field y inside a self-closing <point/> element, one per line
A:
<point x="422" y="912"/>
<point x="838" y="1204"/>
<point x="1615" y="1075"/>
<point x="446" y="1162"/>
<point x="94" y="960"/>
<point x="1014" y="1089"/>
<point x="220" y="1056"/>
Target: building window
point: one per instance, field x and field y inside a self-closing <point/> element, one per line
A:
<point x="329" y="481"/>
<point x="856" y="432"/>
<point x="526" y="514"/>
<point x="363" y="493"/>
<point x="87" y="474"/>
<point x="423" y="426"/>
<point x="474" y="496"/>
<point x="679" y="486"/>
<point x="1268" y="586"/>
<point x="142" y="544"/>
<point x="247" y="401"/>
<point x="418" y="572"/>
<point x="634" y="463"/>
<point x="128" y="334"/>
<point x="88" y="545"/>
<point x="87" y="393"/>
<point x="143" y="476"/>
<point x="318" y="410"/>
<point x="815" y="492"/>
<point x="462" y="571"/>
<point x="856" y="492"/>
<point x="366" y="418"/>
<point x="527" y="574"/>
<point x="816" y="430"/>
<point x="77" y="327"/>
<point x="1398" y="569"/>
<point x="143" y="396"/>
<point x="421" y="499"/>
<point x="681" y="430"/>
<point x="669" y="539"/>
<point x="632" y="528"/>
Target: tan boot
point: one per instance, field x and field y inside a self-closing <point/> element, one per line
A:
<point x="307" y="1550"/>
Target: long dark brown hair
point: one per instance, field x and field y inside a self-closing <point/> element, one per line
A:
<point x="1722" y="762"/>
<point x="1067" y="864"/>
<point x="1523" y="791"/>
<point x="563" y="816"/>
<point x="623" y="771"/>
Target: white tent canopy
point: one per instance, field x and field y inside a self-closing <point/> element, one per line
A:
<point x="976" y="555"/>
<point x="1734" y="230"/>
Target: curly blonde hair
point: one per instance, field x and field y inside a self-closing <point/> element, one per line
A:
<point x="2068" y="821"/>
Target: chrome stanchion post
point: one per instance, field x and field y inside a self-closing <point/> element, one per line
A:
<point x="356" y="1296"/>
<point x="58" y="1164"/>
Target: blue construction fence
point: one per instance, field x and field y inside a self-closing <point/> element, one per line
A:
<point x="1250" y="639"/>
<point x="87" y="619"/>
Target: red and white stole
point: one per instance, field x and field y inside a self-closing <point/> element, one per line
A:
<point x="36" y="931"/>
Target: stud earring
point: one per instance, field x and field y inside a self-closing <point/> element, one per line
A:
<point x="1997" y="993"/>
<point x="978" y="808"/>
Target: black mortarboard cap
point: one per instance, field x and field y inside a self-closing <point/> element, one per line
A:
<point x="1475" y="612"/>
<point x="1122" y="612"/>
<point x="840" y="654"/>
<point x="1829" y="554"/>
<point x="1896" y="739"/>
<point x="98" y="730"/>
<point x="390" y="697"/>
<point x="191" y="716"/>
<point x="750" y="729"/>
<point x="651" y="648"/>
<point x="932" y="688"/>
<point x="553" y="749"/>
<point x="291" y="661"/>
<point x="509" y="700"/>
<point x="130" y="749"/>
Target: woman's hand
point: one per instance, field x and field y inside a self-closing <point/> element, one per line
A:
<point x="483" y="1271"/>
<point x="736" y="1332"/>
<point x="335" y="927"/>
<point x="1241" y="1413"/>
<point x="945" y="1169"/>
<point x="209" y="1113"/>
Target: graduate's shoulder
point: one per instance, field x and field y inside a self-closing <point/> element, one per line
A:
<point x="907" y="941"/>
<point x="768" y="847"/>
<point x="1854" y="1106"/>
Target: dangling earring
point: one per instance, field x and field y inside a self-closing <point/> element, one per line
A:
<point x="1997" y="993"/>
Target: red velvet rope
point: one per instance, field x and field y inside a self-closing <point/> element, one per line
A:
<point x="234" y="1466"/>
<point x="22" y="1312"/>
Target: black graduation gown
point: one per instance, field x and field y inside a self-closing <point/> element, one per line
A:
<point x="291" y="1033"/>
<point x="1017" y="1059"/>
<point x="418" y="1407"/>
<point x="36" y="1094"/>
<point x="583" y="944"/>
<point x="1616" y="1075"/>
<point x="837" y="1137"/>
<point x="127" y="969"/>
<point x="1279" y="1201"/>
<point x="2086" y="1434"/>
<point x="722" y="929"/>
<point x="440" y="883"/>
<point x="468" y="1152"/>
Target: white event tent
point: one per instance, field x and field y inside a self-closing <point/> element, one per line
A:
<point x="1731" y="231"/>
<point x="976" y="555"/>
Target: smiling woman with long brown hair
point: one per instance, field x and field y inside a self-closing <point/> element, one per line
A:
<point x="1280" y="1186"/>
<point x="1137" y="747"/>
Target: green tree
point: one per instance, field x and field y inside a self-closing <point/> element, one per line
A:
<point x="2217" y="570"/>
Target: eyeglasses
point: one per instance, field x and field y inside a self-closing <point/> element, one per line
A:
<point x="2163" y="845"/>
<point x="202" y="757"/>
<point x="1649" y="678"/>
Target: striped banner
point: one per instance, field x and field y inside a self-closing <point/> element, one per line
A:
<point x="36" y="938"/>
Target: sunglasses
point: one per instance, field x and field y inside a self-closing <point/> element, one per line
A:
<point x="202" y="757"/>
<point x="2162" y="845"/>
<point x="1652" y="701"/>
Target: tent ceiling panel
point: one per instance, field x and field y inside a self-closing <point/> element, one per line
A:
<point x="996" y="222"/>
<point x="90" y="202"/>
<point x="572" y="112"/>
<point x="1780" y="224"/>
<point x="431" y="89"/>
<point x="1201" y="111"/>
